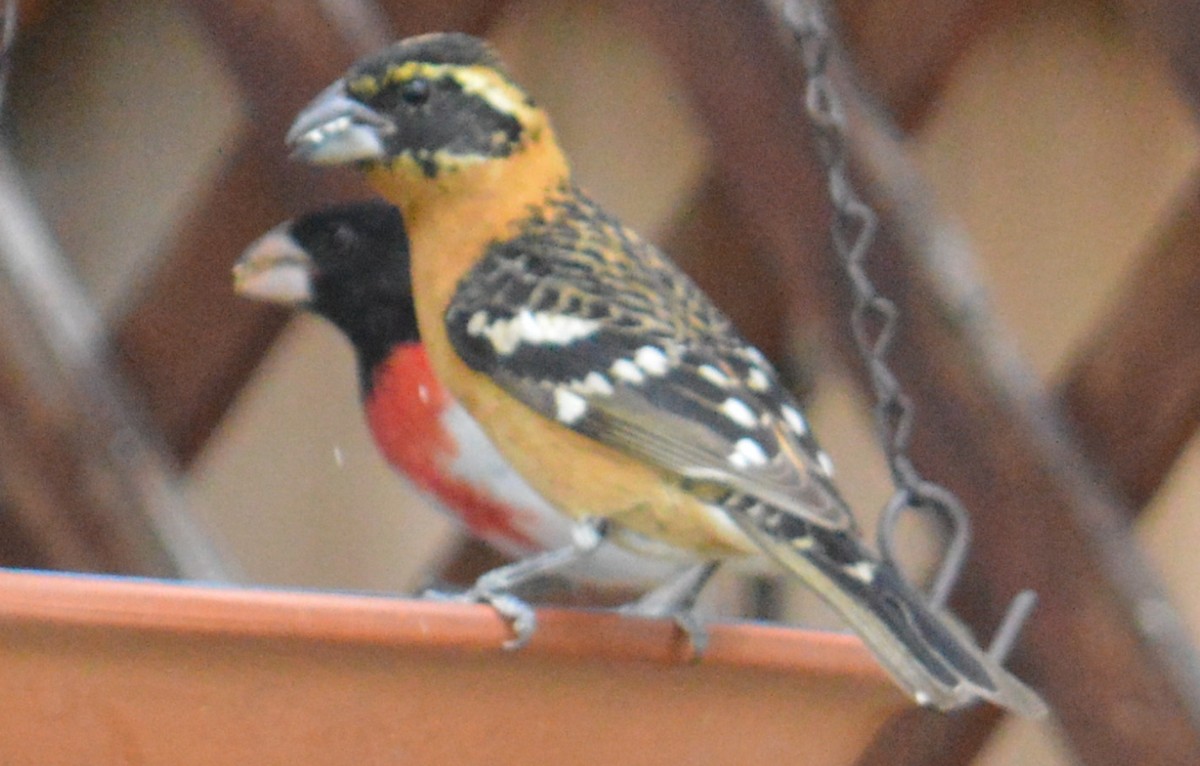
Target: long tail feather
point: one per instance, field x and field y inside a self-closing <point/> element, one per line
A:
<point x="929" y="655"/>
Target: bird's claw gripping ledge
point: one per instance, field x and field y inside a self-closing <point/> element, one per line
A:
<point x="676" y="600"/>
<point x="519" y="615"/>
<point x="494" y="588"/>
<point x="685" y="619"/>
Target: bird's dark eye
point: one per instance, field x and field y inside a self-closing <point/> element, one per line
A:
<point x="416" y="91"/>
<point x="343" y="238"/>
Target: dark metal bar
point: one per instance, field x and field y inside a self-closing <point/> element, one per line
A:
<point x="906" y="51"/>
<point x="187" y="343"/>
<point x="86" y="480"/>
<point x="1170" y="29"/>
<point x="1132" y="392"/>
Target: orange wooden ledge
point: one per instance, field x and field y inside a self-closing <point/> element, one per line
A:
<point x="99" y="670"/>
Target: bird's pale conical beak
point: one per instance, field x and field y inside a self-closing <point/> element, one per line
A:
<point x="276" y="269"/>
<point x="335" y="129"/>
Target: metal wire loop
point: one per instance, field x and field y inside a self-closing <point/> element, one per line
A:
<point x="931" y="499"/>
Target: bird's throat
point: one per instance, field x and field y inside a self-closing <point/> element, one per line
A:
<point x="472" y="196"/>
<point x="452" y="218"/>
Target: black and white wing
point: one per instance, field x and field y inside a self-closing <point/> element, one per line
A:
<point x="589" y="325"/>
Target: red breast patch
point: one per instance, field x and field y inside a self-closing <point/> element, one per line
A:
<point x="404" y="413"/>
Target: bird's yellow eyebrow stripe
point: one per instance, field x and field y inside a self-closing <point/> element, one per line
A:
<point x="482" y="81"/>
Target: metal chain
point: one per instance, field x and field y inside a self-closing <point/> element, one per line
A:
<point x="873" y="321"/>
<point x="873" y="318"/>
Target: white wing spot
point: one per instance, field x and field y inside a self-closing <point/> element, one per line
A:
<point x="754" y="355"/>
<point x="594" y="383"/>
<point x="653" y="360"/>
<point x="557" y="329"/>
<point x="528" y="328"/>
<point x="757" y="380"/>
<point x="739" y="412"/>
<point x="476" y="324"/>
<point x="794" y="419"/>
<point x="805" y="543"/>
<point x="502" y="333"/>
<point x="625" y="370"/>
<point x="569" y="406"/>
<point x="863" y="571"/>
<point x="747" y="453"/>
<point x="825" y="462"/>
<point x="538" y="329"/>
<point x="505" y="335"/>
<point x="715" y="376"/>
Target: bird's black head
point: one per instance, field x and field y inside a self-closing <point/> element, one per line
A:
<point x="432" y="104"/>
<point x="348" y="264"/>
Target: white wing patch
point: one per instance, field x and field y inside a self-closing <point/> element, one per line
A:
<point x="739" y="412"/>
<point x="755" y="356"/>
<point x="804" y="543"/>
<point x="826" y="463"/>
<point x="757" y="380"/>
<point x="569" y="406"/>
<point x="747" y="453"/>
<point x="794" y="419"/>
<point x="625" y="370"/>
<point x="536" y="328"/>
<point x="863" y="571"/>
<point x="715" y="376"/>
<point x="594" y="383"/>
<point x="653" y="360"/>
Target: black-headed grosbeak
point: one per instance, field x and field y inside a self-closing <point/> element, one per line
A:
<point x="597" y="367"/>
<point x="350" y="265"/>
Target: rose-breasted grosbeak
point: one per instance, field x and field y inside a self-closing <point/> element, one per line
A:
<point x="350" y="265"/>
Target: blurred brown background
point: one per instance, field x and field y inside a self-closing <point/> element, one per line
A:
<point x="1052" y="135"/>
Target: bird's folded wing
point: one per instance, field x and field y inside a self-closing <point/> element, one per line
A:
<point x="596" y="329"/>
